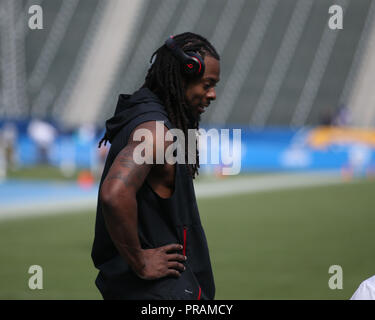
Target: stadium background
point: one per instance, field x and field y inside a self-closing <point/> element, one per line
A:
<point x="301" y="93"/>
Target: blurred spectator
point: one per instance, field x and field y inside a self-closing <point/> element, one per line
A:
<point x="342" y="117"/>
<point x="326" y="118"/>
<point x="86" y="137"/>
<point x="8" y="139"/>
<point x="86" y="133"/>
<point x="43" y="134"/>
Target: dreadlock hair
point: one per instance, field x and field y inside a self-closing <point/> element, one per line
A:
<point x="166" y="80"/>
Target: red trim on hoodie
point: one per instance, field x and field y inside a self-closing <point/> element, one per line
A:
<point x="185" y="234"/>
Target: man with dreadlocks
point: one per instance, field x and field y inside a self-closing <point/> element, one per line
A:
<point x="149" y="242"/>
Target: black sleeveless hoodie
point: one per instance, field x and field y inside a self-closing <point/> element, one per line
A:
<point x="160" y="221"/>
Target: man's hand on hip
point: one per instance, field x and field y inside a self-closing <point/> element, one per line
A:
<point x="159" y="262"/>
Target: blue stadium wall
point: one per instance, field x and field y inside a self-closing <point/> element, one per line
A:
<point x="270" y="149"/>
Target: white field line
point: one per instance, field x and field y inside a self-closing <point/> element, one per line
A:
<point x="265" y="183"/>
<point x="230" y="187"/>
<point x="47" y="208"/>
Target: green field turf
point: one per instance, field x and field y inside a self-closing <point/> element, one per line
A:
<point x="41" y="172"/>
<point x="271" y="245"/>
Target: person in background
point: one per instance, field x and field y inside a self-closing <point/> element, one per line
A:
<point x="8" y="144"/>
<point x="43" y="134"/>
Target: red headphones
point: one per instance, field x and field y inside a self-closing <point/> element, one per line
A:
<point x="192" y="63"/>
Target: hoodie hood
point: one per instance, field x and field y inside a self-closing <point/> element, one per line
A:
<point x="129" y="107"/>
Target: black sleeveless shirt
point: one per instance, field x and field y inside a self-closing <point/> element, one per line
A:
<point x="160" y="221"/>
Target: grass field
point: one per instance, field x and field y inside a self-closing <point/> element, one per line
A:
<point x="269" y="245"/>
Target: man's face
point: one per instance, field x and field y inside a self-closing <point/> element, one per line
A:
<point x="199" y="93"/>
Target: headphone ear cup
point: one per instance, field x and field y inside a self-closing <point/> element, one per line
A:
<point x="192" y="63"/>
<point x="194" y="66"/>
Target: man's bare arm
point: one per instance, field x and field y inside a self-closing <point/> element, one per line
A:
<point x="118" y="195"/>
